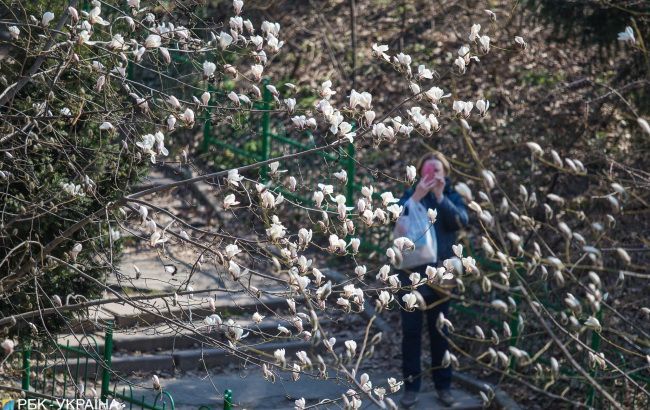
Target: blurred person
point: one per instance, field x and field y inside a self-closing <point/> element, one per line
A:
<point x="432" y="190"/>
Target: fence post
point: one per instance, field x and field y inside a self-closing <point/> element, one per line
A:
<point x="108" y="358"/>
<point x="266" y="129"/>
<point x="27" y="355"/>
<point x="227" y="400"/>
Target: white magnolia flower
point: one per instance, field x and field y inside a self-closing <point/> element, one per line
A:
<point x="173" y="101"/>
<point x="435" y="94"/>
<point x="415" y="278"/>
<point x="385" y="298"/>
<point x="234" y="178"/>
<point x="337" y="244"/>
<point x="8" y="346"/>
<point x="205" y="98"/>
<point x="76" y="249"/>
<point x="225" y="40"/>
<point x="500" y="305"/>
<point x="318" y="198"/>
<point x="117" y="43"/>
<point x="463" y="108"/>
<point x="232" y="250"/>
<point x="484" y="42"/>
<point x="273" y="43"/>
<point x="232" y="96"/>
<point x="229" y="201"/>
<point x="14" y="32"/>
<point x="279" y="355"/>
<point x="94" y="15"/>
<point x="369" y="116"/>
<point x="329" y="344"/>
<point x="404" y="60"/>
<point x="424" y="72"/>
<point x="410" y="301"/>
<point x="234" y="270"/>
<point x="304" y="237"/>
<point x="415" y="89"/>
<point x="236" y="26"/>
<point x="395" y="210"/>
<point x="364" y="100"/>
<point x="106" y="126"/>
<point x="411" y="174"/>
<point x="84" y="37"/>
<point x="360" y="271"/>
<point x="156" y="382"/>
<point x="48" y="16"/>
<point x="171" y="122"/>
<point x="351" y="347"/>
<point x="342" y="176"/>
<point x="152" y="41"/>
<point x="326" y="91"/>
<point x="258" y="42"/>
<point x="394" y="384"/>
<point x="188" y="116"/>
<point x="257" y="318"/>
<point x="304" y="359"/>
<point x="366" y="384"/>
<point x="403" y="243"/>
<point x="277" y="230"/>
<point x="238" y="5"/>
<point x="387" y="198"/>
<point x="519" y="41"/>
<point x="354" y="244"/>
<point x="380" y="51"/>
<point x="482" y="106"/>
<point x="464" y="191"/>
<point x="622" y="253"/>
<point x="291" y="104"/>
<point x="432" y="214"/>
<point x="460" y="63"/>
<point x="157" y="237"/>
<point x="535" y="148"/>
<point x="473" y="35"/>
<point x="257" y="71"/>
<point x="208" y="69"/>
<point x="627" y="35"/>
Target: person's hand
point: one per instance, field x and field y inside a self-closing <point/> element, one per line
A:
<point x="438" y="187"/>
<point x="423" y="187"/>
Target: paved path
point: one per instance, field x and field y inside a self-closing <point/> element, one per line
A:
<point x="252" y="392"/>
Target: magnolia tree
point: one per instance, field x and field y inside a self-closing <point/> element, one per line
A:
<point x="97" y="95"/>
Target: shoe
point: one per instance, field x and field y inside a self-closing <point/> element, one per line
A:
<point x="409" y="399"/>
<point x="446" y="398"/>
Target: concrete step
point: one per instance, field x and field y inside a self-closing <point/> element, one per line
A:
<point x="151" y="340"/>
<point x="252" y="392"/>
<point x="194" y="359"/>
<point x="126" y="316"/>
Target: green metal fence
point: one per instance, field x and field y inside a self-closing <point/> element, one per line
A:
<point x="84" y="371"/>
<point x="81" y="371"/>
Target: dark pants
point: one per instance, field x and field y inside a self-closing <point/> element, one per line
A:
<point x="412" y="324"/>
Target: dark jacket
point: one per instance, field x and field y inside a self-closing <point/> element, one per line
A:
<point x="452" y="216"/>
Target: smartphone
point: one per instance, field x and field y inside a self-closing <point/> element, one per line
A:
<point x="428" y="169"/>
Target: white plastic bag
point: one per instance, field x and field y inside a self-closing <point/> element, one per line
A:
<point x="421" y="232"/>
